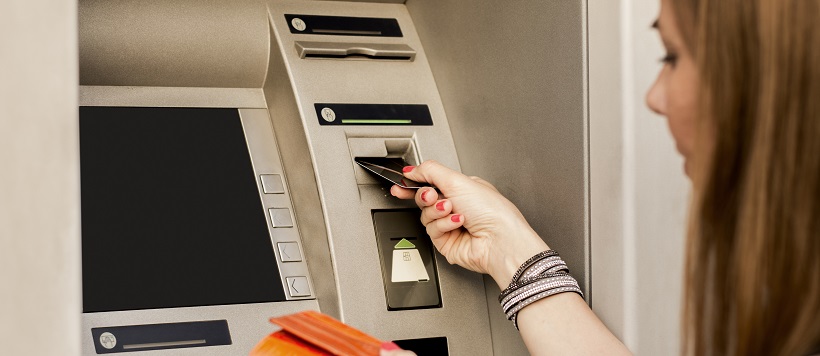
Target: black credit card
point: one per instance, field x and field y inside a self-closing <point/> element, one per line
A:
<point x="389" y="169"/>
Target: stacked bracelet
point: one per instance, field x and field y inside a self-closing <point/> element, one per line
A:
<point x="543" y="275"/>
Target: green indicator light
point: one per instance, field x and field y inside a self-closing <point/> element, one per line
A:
<point x="372" y="121"/>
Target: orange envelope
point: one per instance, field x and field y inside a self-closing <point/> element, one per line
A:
<point x="314" y="333"/>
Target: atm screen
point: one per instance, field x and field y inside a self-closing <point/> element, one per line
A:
<point x="171" y="212"/>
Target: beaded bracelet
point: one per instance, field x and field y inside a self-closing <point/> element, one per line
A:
<point x="541" y="276"/>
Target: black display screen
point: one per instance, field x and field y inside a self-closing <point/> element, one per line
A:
<point x="171" y="213"/>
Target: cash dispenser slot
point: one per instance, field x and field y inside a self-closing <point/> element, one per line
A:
<point x="343" y="25"/>
<point x="407" y="260"/>
<point x="373" y="114"/>
<point x="340" y="50"/>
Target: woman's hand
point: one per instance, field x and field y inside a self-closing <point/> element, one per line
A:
<point x="474" y="226"/>
<point x="470" y="222"/>
<point x="389" y="348"/>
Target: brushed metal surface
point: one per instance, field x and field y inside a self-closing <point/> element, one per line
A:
<point x="347" y="205"/>
<point x="281" y="225"/>
<point x="171" y="97"/>
<point x="377" y="1"/>
<point x="183" y="43"/>
<point x="512" y="80"/>
<point x="297" y="163"/>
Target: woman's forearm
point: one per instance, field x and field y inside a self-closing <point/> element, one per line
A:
<point x="563" y="324"/>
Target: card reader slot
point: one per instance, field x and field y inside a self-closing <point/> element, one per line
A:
<point x="337" y="50"/>
<point x="371" y="147"/>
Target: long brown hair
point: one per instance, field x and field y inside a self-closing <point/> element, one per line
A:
<point x="753" y="248"/>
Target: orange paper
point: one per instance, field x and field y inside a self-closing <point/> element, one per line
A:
<point x="313" y="333"/>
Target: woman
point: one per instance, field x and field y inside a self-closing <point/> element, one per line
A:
<point x="740" y="88"/>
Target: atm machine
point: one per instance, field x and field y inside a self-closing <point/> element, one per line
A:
<point x="219" y="183"/>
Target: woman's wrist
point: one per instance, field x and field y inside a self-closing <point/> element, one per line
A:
<point x="521" y="243"/>
<point x="543" y="275"/>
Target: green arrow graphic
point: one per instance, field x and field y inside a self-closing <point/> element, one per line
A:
<point x="403" y="244"/>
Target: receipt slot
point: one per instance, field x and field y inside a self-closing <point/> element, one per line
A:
<point x="407" y="260"/>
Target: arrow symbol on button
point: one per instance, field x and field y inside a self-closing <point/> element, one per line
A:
<point x="292" y="281"/>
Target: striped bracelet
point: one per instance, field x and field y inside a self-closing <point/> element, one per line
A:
<point x="543" y="275"/>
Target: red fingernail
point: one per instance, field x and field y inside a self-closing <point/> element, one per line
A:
<point x="424" y="195"/>
<point x="455" y="218"/>
<point x="440" y="206"/>
<point x="390" y="346"/>
<point x="408" y="168"/>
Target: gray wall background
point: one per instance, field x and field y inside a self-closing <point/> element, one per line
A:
<point x="39" y="179"/>
<point x="511" y="75"/>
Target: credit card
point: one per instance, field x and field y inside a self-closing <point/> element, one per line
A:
<point x="389" y="169"/>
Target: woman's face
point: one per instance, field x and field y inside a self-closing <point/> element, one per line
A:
<point x="674" y="94"/>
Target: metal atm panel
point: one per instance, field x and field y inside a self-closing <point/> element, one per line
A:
<point x="310" y="75"/>
<point x="246" y="323"/>
<point x="347" y="195"/>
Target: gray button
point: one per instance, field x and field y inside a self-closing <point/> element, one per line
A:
<point x="289" y="251"/>
<point x="272" y="184"/>
<point x="298" y="286"/>
<point x="280" y="217"/>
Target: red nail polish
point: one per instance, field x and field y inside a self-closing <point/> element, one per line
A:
<point x="408" y="169"/>
<point x="390" y="346"/>
<point x="456" y="218"/>
<point x="424" y="195"/>
<point x="440" y="206"/>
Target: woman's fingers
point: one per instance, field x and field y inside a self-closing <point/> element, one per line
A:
<point x="437" y="211"/>
<point x="434" y="173"/>
<point x="402" y="193"/>
<point x="437" y="228"/>
<point x="426" y="197"/>
<point x="389" y="348"/>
